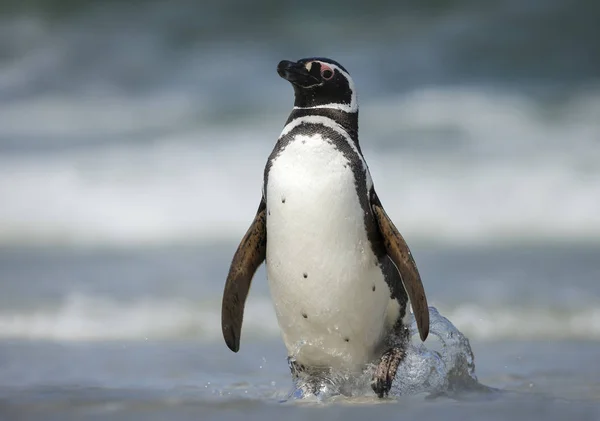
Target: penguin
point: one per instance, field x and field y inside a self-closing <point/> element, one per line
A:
<point x="339" y="272"/>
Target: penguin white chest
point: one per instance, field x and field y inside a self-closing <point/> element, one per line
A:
<point x="332" y="303"/>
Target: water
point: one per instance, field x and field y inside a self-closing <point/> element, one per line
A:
<point x="132" y="143"/>
<point x="136" y="333"/>
<point x="497" y="127"/>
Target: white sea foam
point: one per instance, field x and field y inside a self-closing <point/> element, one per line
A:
<point x="89" y="318"/>
<point x="456" y="165"/>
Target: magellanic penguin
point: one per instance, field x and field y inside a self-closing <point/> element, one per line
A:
<point x="339" y="272"/>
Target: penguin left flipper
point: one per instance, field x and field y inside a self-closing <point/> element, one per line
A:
<point x="248" y="257"/>
<point x="398" y="251"/>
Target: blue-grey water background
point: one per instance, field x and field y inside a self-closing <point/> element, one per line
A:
<point x="133" y="136"/>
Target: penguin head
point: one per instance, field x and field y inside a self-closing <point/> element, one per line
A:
<point x="319" y="83"/>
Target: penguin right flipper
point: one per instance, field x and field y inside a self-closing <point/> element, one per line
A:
<point x="248" y="257"/>
<point x="398" y="251"/>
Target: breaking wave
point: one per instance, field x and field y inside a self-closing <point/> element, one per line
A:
<point x="457" y="165"/>
<point x="89" y="318"/>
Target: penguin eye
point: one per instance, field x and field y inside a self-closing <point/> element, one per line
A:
<point x="326" y="74"/>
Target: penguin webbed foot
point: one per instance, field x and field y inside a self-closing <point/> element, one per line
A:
<point x="385" y="372"/>
<point x="296" y="368"/>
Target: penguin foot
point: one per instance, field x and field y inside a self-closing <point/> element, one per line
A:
<point x="386" y="371"/>
<point x="296" y="368"/>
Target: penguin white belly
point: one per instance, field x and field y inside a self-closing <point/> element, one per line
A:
<point x="332" y="302"/>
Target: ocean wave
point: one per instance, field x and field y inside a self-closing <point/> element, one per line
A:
<point x="454" y="165"/>
<point x="91" y="318"/>
<point x="88" y="318"/>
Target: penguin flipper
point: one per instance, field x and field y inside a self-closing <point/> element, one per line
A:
<point x="248" y="257"/>
<point x="398" y="251"/>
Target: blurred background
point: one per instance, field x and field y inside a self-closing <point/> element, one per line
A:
<point x="133" y="136"/>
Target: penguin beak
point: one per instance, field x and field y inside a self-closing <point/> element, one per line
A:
<point x="296" y="73"/>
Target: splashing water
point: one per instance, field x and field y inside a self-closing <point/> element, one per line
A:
<point x="448" y="370"/>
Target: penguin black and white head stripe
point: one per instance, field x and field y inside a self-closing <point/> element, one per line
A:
<point x="320" y="83"/>
<point x="339" y="272"/>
